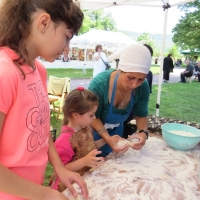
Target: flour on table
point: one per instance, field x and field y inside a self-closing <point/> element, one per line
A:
<point x="155" y="172"/>
<point x="183" y="133"/>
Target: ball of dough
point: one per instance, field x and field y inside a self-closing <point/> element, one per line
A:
<point x="133" y="140"/>
<point x="122" y="143"/>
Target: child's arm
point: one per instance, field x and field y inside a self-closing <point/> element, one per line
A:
<point x="90" y="160"/>
<point x="99" y="143"/>
<point x="67" y="177"/>
<point x="15" y="185"/>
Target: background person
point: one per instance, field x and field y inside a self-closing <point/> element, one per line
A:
<point x="197" y="71"/>
<point x="35" y="28"/>
<point x="188" y="72"/>
<point x="65" y="56"/>
<point x="167" y="67"/>
<point x="119" y="92"/>
<point x="99" y="57"/>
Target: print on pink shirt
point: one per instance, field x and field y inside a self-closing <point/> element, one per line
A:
<point x="37" y="118"/>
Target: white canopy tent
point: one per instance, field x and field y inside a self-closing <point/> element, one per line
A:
<point x="102" y="36"/>
<point x="162" y="4"/>
<point x="112" y="40"/>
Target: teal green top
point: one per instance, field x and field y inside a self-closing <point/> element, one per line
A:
<point x="100" y="86"/>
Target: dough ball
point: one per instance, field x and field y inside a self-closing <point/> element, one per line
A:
<point x="133" y="140"/>
<point x="122" y="143"/>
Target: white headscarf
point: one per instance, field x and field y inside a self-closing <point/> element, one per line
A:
<point x="134" y="57"/>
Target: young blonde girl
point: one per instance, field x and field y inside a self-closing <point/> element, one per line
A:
<point x="29" y="29"/>
<point x="76" y="146"/>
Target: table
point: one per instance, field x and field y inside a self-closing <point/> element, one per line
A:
<point x="156" y="172"/>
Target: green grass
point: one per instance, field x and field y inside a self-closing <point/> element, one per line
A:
<point x="155" y="69"/>
<point x="78" y="73"/>
<point x="178" y="101"/>
<point x="71" y="73"/>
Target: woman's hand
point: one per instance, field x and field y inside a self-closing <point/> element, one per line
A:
<point x="92" y="161"/>
<point x="68" y="177"/>
<point x="112" y="142"/>
<point x="141" y="140"/>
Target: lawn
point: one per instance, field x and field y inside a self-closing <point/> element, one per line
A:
<point x="178" y="101"/>
<point x="78" y="73"/>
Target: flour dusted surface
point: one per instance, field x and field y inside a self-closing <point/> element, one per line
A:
<point x="156" y="172"/>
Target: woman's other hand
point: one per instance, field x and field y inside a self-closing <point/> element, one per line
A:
<point x="141" y="140"/>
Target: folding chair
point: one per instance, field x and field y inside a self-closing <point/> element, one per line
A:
<point x="58" y="88"/>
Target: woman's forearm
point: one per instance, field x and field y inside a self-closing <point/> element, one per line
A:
<point x="76" y="165"/>
<point x="142" y="123"/>
<point x="98" y="126"/>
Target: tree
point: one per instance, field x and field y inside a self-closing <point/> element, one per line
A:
<point x="99" y="20"/>
<point x="86" y="25"/>
<point x="186" y="32"/>
<point x="149" y="40"/>
<point x="174" y="50"/>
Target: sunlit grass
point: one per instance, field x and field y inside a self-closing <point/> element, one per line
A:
<point x="78" y="73"/>
<point x="178" y="101"/>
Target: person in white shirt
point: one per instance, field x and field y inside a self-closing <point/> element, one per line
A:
<point x="99" y="59"/>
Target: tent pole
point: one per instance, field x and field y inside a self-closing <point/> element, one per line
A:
<point x="166" y="6"/>
<point x="85" y="54"/>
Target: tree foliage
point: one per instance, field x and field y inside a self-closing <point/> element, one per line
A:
<point x="99" y="20"/>
<point x="147" y="38"/>
<point x="175" y="52"/>
<point x="187" y="31"/>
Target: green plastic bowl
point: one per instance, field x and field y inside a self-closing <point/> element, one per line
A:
<point x="180" y="142"/>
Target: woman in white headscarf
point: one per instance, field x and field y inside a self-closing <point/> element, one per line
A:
<point x="119" y="92"/>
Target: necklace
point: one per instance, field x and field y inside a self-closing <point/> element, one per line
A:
<point x="123" y="99"/>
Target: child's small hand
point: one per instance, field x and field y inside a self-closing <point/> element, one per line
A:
<point x="92" y="161"/>
<point x="68" y="177"/>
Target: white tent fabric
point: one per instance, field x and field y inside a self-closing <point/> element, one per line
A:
<point x="102" y="36"/>
<point x="98" y="4"/>
<point x="162" y="4"/>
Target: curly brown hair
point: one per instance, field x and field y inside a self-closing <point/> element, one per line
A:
<point x="78" y="101"/>
<point x="15" y="21"/>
